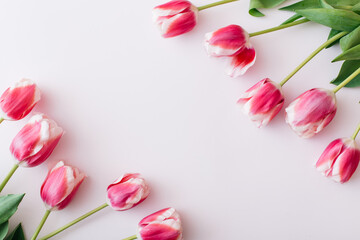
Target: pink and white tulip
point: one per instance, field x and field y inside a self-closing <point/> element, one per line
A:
<point x="60" y="186"/>
<point x="311" y="112"/>
<point x="175" y="17"/>
<point x="162" y="225"/>
<point x="262" y="102"/>
<point x="127" y="192"/>
<point x="339" y="160"/>
<point x="18" y="100"/>
<point x="36" y="141"/>
<point x="226" y="41"/>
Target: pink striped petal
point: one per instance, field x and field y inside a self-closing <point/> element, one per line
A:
<point x="339" y="160"/>
<point x="175" y="18"/>
<point x="36" y="141"/>
<point x="127" y="192"/>
<point x="162" y="225"/>
<point x="262" y="102"/>
<point x="242" y="61"/>
<point x="17" y="101"/>
<point x="311" y="112"/>
<point x="60" y="186"/>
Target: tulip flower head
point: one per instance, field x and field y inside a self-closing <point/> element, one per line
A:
<point x="162" y="225"/>
<point x="60" y="186"/>
<point x="18" y="100"/>
<point x="127" y="192"/>
<point x="36" y="141"/>
<point x="262" y="102"/>
<point x="311" y="112"/>
<point x="339" y="160"/>
<point x="175" y="17"/>
<point x="226" y="41"/>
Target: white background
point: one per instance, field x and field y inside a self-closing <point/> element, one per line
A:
<point x="131" y="101"/>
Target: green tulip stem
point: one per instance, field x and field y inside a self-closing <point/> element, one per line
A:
<point x="312" y="55"/>
<point x="131" y="238"/>
<point x="41" y="224"/>
<point x="8" y="176"/>
<point x="1" y="120"/>
<point x="273" y="29"/>
<point x="215" y="4"/>
<point x="356" y="132"/>
<point x="347" y="80"/>
<point x="59" y="230"/>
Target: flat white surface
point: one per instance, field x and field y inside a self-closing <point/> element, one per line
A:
<point x="131" y="101"/>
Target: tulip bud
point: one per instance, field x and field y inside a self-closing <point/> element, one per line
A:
<point x="175" y="17"/>
<point x="60" y="186"/>
<point x="312" y="111"/>
<point x="162" y="225"/>
<point x="18" y="100"/>
<point x="262" y="102"/>
<point x="242" y="61"/>
<point x="226" y="41"/>
<point x="339" y="160"/>
<point x="36" y="141"/>
<point x="127" y="192"/>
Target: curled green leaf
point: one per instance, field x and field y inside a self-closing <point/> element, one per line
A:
<point x="338" y="19"/>
<point x="346" y="70"/>
<point x="9" y="205"/>
<point x="350" y="54"/>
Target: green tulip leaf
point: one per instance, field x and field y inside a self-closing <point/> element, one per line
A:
<point x="356" y="8"/>
<point x="338" y="19"/>
<point x="350" y="40"/>
<point x="346" y="70"/>
<point x="4" y="228"/>
<point x="350" y="54"/>
<point x="306" y="4"/>
<point x="9" y="205"/>
<point x="332" y="33"/>
<point x="256" y="4"/>
<point x="309" y="4"/>
<point x="324" y="4"/>
<point x="292" y="19"/>
<point x="17" y="234"/>
<point x="343" y="4"/>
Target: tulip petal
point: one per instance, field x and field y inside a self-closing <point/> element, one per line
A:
<point x="36" y="141"/>
<point x="17" y="101"/>
<point x="339" y="160"/>
<point x="262" y="102"/>
<point x="242" y="61"/>
<point x="60" y="186"/>
<point x="164" y="224"/>
<point x="311" y="112"/>
<point x="175" y="17"/>
<point x="127" y="192"/>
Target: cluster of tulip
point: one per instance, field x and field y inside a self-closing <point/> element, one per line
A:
<point x="307" y="115"/>
<point x="34" y="144"/>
